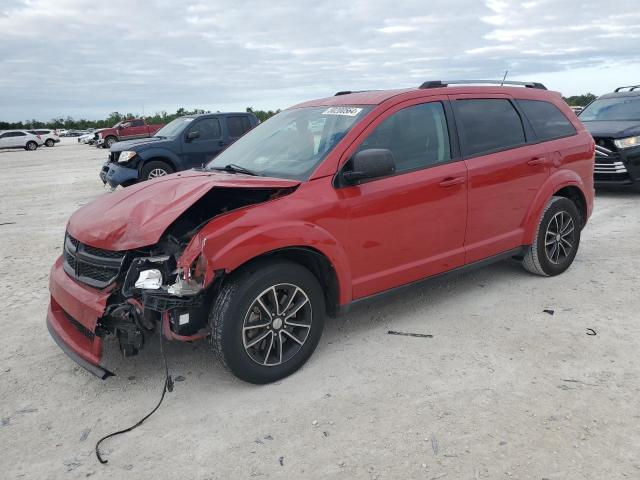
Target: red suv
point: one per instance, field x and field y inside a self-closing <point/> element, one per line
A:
<point x="329" y="203"/>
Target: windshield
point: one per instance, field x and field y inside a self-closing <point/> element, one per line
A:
<point x="620" y="109"/>
<point x="292" y="143"/>
<point x="174" y="127"/>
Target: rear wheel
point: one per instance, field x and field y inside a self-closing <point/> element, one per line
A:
<point x="155" y="169"/>
<point x="31" y="145"/>
<point x="267" y="320"/>
<point x="49" y="142"/>
<point x="557" y="239"/>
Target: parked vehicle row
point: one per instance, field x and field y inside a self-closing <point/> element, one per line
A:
<point x="327" y="204"/>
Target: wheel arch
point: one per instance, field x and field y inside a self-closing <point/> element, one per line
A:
<point x="563" y="183"/>
<point x="157" y="155"/>
<point x="314" y="261"/>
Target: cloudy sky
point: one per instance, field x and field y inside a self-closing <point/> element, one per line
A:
<point x="85" y="58"/>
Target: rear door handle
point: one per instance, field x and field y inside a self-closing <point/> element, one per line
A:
<point x="537" y="161"/>
<point x="452" y="182"/>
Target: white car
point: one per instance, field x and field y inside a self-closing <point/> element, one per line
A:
<point x="62" y="132"/>
<point x="86" y="138"/>
<point x="50" y="137"/>
<point x="20" y="139"/>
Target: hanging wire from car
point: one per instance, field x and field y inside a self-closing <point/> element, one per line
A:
<point x="167" y="387"/>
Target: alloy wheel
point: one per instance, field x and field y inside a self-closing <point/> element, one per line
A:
<point x="277" y="324"/>
<point x="156" y="172"/>
<point x="559" y="238"/>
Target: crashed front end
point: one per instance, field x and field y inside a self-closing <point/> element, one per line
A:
<point x="96" y="293"/>
<point x="129" y="294"/>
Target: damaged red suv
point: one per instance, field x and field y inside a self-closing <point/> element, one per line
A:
<point x="328" y="203"/>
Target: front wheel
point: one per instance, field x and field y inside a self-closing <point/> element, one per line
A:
<point x="267" y="320"/>
<point x="557" y="239"/>
<point x="155" y="169"/>
<point x="49" y="142"/>
<point x="31" y="145"/>
<point x="109" y="141"/>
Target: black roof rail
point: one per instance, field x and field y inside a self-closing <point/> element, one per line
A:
<point x="347" y="92"/>
<point x="630" y="87"/>
<point x="444" y="83"/>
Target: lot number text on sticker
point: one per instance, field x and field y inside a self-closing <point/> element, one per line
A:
<point x="347" y="111"/>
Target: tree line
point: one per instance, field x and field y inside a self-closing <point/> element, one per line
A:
<point x="580" y="100"/>
<point x="163" y="117"/>
<point x="81" y="124"/>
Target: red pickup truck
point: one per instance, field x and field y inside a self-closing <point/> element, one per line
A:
<point x="126" y="130"/>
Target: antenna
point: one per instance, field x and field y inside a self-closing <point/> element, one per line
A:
<point x="504" y="78"/>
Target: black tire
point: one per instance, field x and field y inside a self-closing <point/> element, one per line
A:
<point x="151" y="170"/>
<point x="235" y="307"/>
<point x="553" y="252"/>
<point x="109" y="141"/>
<point x="31" y="145"/>
<point x="49" y="142"/>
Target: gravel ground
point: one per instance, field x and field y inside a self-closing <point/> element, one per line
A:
<point x="502" y="390"/>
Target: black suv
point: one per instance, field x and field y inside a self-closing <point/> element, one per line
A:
<point x="184" y="143"/>
<point x="614" y="121"/>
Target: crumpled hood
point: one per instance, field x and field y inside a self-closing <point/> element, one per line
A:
<point x="138" y="215"/>
<point x="613" y="128"/>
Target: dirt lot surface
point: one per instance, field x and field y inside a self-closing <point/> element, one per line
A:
<point x="502" y="390"/>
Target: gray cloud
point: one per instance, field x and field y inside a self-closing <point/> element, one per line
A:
<point x="77" y="57"/>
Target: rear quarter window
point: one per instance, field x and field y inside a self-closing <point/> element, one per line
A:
<point x="547" y="120"/>
<point x="488" y="125"/>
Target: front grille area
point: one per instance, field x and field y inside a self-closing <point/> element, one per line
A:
<point x="94" y="266"/>
<point x="608" y="163"/>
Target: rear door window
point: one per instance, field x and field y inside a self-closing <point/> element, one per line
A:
<point x="238" y="125"/>
<point x="547" y="120"/>
<point x="488" y="125"/>
<point x="137" y="123"/>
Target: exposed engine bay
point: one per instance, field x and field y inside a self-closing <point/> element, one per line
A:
<point x="149" y="290"/>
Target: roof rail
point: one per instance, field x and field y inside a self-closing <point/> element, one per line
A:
<point x="347" y="92"/>
<point x="444" y="83"/>
<point x="630" y="87"/>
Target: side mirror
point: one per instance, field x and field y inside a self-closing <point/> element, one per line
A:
<point x="371" y="163"/>
<point x="192" y="135"/>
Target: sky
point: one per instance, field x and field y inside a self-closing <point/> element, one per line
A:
<point x="86" y="59"/>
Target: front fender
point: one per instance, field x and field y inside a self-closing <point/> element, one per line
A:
<point x="556" y="181"/>
<point x="227" y="247"/>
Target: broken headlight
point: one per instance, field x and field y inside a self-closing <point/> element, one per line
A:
<point x="149" y="279"/>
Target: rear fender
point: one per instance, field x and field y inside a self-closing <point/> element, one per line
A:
<point x="556" y="181"/>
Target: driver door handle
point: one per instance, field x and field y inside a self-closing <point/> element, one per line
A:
<point x="452" y="182"/>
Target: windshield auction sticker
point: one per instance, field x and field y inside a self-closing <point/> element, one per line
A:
<point x="346" y="111"/>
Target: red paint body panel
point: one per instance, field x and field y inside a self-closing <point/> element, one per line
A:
<point x="138" y="215"/>
<point x="84" y="304"/>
